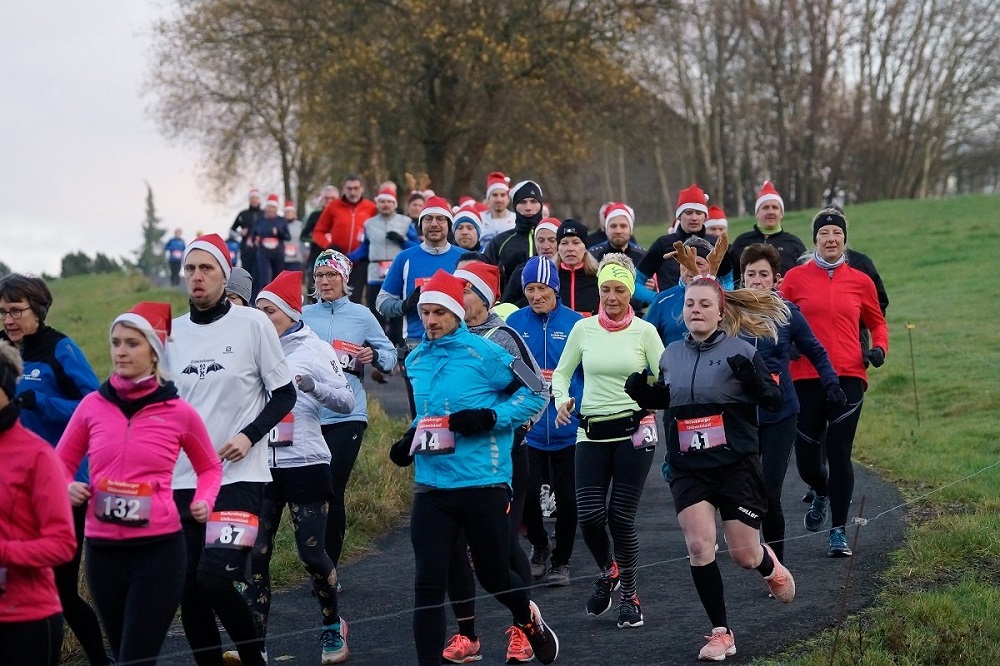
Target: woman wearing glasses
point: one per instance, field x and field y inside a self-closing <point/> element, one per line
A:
<point x="358" y="339"/>
<point x="56" y="377"/>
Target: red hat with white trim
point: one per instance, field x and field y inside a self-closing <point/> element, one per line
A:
<point x="254" y="193"/>
<point x="285" y="291"/>
<point x="215" y="246"/>
<point x="619" y="209"/>
<point x="386" y="193"/>
<point x="497" y="181"/>
<point x="484" y="279"/>
<point x="273" y="200"/>
<point x="289" y="206"/>
<point x="693" y="198"/>
<point x="716" y="217"/>
<point x="436" y="206"/>
<point x="550" y="223"/>
<point x="445" y="290"/>
<point x="153" y="320"/>
<point x="768" y="193"/>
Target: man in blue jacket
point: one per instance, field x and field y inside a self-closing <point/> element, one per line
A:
<point x="545" y="324"/>
<point x="469" y="400"/>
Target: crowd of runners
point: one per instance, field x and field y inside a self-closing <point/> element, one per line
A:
<point x="536" y="354"/>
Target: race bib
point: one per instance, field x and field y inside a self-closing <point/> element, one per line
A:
<point x="419" y="282"/>
<point x="646" y="435"/>
<point x="547" y="375"/>
<point x="176" y="255"/>
<point x="347" y="355"/>
<point x="270" y="243"/>
<point x="281" y="433"/>
<point x="235" y="530"/>
<point x="382" y="269"/>
<point x="433" y="437"/>
<point x="706" y="432"/>
<point x="123" y="502"/>
<point x="291" y="251"/>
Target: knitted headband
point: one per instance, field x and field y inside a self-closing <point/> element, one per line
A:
<point x="618" y="273"/>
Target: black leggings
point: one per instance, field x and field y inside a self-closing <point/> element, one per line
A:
<point x="437" y="519"/>
<point x="344" y="442"/>
<point x="776" y="441"/>
<point x="461" y="584"/>
<point x="597" y="465"/>
<point x="835" y="478"/>
<point x="78" y="614"/>
<point x="561" y="467"/>
<point x="136" y="589"/>
<point x="35" y="643"/>
<point x="309" y="521"/>
<point x="209" y="591"/>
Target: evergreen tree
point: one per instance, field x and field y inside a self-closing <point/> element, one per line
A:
<point x="4" y="269"/>
<point x="77" y="263"/>
<point x="149" y="257"/>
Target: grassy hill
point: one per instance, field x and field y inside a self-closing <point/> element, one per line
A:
<point x="941" y="602"/>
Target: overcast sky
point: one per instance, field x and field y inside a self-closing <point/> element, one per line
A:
<point x="77" y="144"/>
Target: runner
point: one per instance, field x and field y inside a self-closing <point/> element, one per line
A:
<point x="228" y="364"/>
<point x="545" y="246"/>
<point x="269" y="237"/>
<point x="545" y="325"/>
<point x="833" y="297"/>
<point x="239" y="286"/>
<point x="577" y="269"/>
<point x="759" y="267"/>
<point x="467" y="407"/>
<point x="666" y="312"/>
<point x="36" y="533"/>
<point x="300" y="463"/>
<point x="133" y="429"/>
<point x="173" y="249"/>
<point x="610" y="449"/>
<point x="710" y="384"/>
<point x="510" y="249"/>
<point x="56" y="377"/>
<point x="358" y="339"/>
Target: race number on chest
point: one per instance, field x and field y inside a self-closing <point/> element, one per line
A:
<point x="433" y="437"/>
<point x="281" y="433"/>
<point x="123" y="502"/>
<point x="347" y="355"/>
<point x="231" y="529"/>
<point x="706" y="432"/>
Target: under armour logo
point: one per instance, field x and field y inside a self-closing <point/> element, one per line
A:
<point x="719" y="362"/>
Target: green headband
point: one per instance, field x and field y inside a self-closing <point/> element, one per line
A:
<point x="618" y="273"/>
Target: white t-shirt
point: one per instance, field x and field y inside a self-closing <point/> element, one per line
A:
<point x="491" y="226"/>
<point x="225" y="370"/>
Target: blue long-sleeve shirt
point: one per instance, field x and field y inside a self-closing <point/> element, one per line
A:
<point x="409" y="269"/>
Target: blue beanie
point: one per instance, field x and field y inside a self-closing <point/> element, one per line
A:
<point x="471" y="218"/>
<point x="540" y="269"/>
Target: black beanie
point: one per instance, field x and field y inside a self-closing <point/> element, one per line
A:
<point x="828" y="217"/>
<point x="571" y="227"/>
<point x="526" y="189"/>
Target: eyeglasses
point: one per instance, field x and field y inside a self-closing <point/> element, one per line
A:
<point x="15" y="313"/>
<point x="324" y="276"/>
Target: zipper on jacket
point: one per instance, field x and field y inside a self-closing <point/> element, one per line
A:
<point x="694" y="370"/>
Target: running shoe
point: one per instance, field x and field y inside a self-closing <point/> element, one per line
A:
<point x="838" y="544"/>
<point x="461" y="650"/>
<point x="721" y="644"/>
<point x="558" y="576"/>
<point x="232" y="657"/>
<point x="334" y="642"/>
<point x="629" y="612"/>
<point x="604" y="587"/>
<point x="543" y="640"/>
<point x="518" y="648"/>
<point x="780" y="582"/>
<point x="815" y="516"/>
<point x="539" y="560"/>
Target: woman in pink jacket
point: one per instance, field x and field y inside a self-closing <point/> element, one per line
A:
<point x="133" y="429"/>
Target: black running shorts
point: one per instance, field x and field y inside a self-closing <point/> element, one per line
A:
<point x="736" y="490"/>
<point x="228" y="563"/>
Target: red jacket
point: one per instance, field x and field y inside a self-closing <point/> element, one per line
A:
<point x="342" y="224"/>
<point x="834" y="307"/>
<point x="36" y="525"/>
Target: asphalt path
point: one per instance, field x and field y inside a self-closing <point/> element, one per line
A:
<point x="378" y="596"/>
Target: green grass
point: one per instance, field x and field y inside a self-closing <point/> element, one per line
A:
<point x="940" y="603"/>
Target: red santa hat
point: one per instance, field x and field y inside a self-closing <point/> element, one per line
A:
<point x="153" y="321"/>
<point x="285" y="291"/>
<point x="436" y="206"/>
<point x="254" y="193"/>
<point x="215" y="246"/>
<point x="484" y="279"/>
<point x="618" y="209"/>
<point x="602" y="211"/>
<point x="289" y="206"/>
<point x="768" y="193"/>
<point x="550" y="223"/>
<point x="273" y="200"/>
<point x="497" y="181"/>
<point x="386" y="193"/>
<point x="716" y="217"/>
<point x="464" y="203"/>
<point x="693" y="198"/>
<point x="445" y="290"/>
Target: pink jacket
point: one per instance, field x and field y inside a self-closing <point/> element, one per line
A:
<point x="141" y="450"/>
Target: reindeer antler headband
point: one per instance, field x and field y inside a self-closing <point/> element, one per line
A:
<point x="687" y="255"/>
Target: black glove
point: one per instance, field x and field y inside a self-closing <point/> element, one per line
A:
<point x="835" y="396"/>
<point x="472" y="421"/>
<point x="410" y="303"/>
<point x="306" y="383"/>
<point x="876" y="356"/>
<point x="399" y="453"/>
<point x="646" y="395"/>
<point x="395" y="237"/>
<point x="743" y="369"/>
<point x="27" y="399"/>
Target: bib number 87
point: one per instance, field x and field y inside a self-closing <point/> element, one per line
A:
<point x="230" y="534"/>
